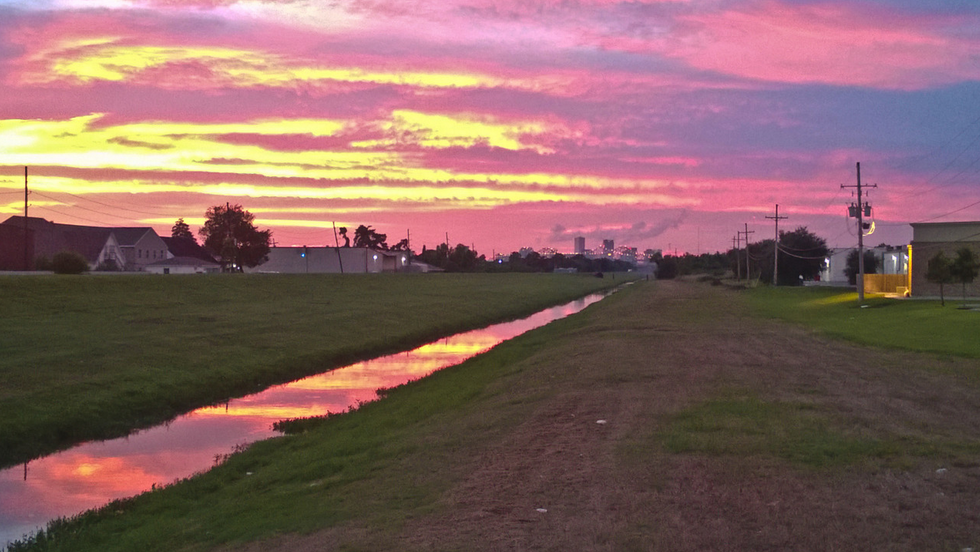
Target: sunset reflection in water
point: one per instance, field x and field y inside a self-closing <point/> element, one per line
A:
<point x="93" y="474"/>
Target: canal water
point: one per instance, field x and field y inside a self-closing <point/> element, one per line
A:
<point x="93" y="474"/>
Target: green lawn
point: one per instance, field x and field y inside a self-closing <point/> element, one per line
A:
<point x="344" y="468"/>
<point x="97" y="356"/>
<point x="677" y="375"/>
<point x="914" y="325"/>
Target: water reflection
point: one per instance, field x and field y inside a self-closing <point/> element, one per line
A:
<point x="93" y="474"/>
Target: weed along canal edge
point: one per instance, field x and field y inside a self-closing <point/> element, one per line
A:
<point x="96" y="473"/>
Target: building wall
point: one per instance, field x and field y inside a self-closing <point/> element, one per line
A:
<point x="148" y="249"/>
<point x="12" y="248"/>
<point x="328" y="260"/>
<point x="931" y="238"/>
<point x="889" y="262"/>
<point x="181" y="269"/>
<point x="111" y="252"/>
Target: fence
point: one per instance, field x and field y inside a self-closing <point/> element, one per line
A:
<point x="886" y="283"/>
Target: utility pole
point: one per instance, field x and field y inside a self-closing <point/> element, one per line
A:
<point x="748" y="273"/>
<point x="736" y="245"/>
<point x="860" y="210"/>
<point x="27" y="250"/>
<point x="336" y="241"/>
<point x="775" y="256"/>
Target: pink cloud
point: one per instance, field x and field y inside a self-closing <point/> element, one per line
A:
<point x="830" y="42"/>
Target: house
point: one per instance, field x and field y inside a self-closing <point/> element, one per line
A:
<point x="332" y="260"/>
<point x="892" y="261"/>
<point x="140" y="247"/>
<point x="187" y="247"/>
<point x="128" y="249"/>
<point x="929" y="238"/>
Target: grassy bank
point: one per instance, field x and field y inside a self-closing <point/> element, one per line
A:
<point x="381" y="464"/>
<point x="664" y="417"/>
<point x="922" y="326"/>
<point x="97" y="356"/>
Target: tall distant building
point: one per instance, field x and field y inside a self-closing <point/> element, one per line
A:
<point x="580" y="245"/>
<point x="608" y="245"/>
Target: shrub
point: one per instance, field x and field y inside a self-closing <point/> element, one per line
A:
<point x="108" y="265"/>
<point x="42" y="263"/>
<point x="68" y="262"/>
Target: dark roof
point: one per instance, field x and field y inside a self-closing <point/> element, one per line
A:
<point x="187" y="247"/>
<point x="50" y="237"/>
<point x="129" y="236"/>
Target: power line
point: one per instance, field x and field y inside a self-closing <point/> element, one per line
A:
<point x="800" y="256"/>
<point x="78" y="206"/>
<point x="951" y="212"/>
<point x="57" y="212"/>
<point x="940" y="148"/>
<point x="112" y="206"/>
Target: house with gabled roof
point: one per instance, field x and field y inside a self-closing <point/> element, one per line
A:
<point x="188" y="247"/>
<point x="129" y="249"/>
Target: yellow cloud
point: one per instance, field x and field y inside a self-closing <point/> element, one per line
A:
<point x="443" y="131"/>
<point x="106" y="59"/>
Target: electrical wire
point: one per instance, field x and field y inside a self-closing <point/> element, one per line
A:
<point x="112" y="206"/>
<point x="940" y="148"/>
<point x="79" y="206"/>
<point x="801" y="257"/>
<point x="57" y="212"/>
<point x="949" y="164"/>
<point x="951" y="212"/>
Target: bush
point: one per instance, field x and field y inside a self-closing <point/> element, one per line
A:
<point x="42" y="263"/>
<point x="68" y="262"/>
<point x="108" y="265"/>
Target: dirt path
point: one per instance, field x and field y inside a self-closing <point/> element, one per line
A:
<point x="583" y="468"/>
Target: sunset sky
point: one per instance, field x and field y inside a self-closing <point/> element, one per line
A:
<point x="655" y="123"/>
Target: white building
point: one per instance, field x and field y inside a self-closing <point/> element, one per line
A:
<point x="332" y="260"/>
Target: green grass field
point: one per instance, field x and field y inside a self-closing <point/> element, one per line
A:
<point x="680" y="377"/>
<point x="912" y="325"/>
<point x="97" y="356"/>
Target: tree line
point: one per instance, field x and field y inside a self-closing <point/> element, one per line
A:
<point x="801" y="257"/>
<point x="230" y="235"/>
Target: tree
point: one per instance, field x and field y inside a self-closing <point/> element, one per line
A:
<point x="182" y="230"/>
<point x="851" y="267"/>
<point x="229" y="233"/>
<point x="964" y="267"/>
<point x="939" y="271"/>
<point x="368" y="237"/>
<point x="462" y="259"/>
<point x="801" y="256"/>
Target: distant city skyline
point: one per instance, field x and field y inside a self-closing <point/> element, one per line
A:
<point x="659" y="124"/>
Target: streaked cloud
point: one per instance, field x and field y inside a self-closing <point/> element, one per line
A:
<point x="647" y="121"/>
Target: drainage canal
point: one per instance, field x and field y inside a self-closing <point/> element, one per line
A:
<point x="93" y="474"/>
